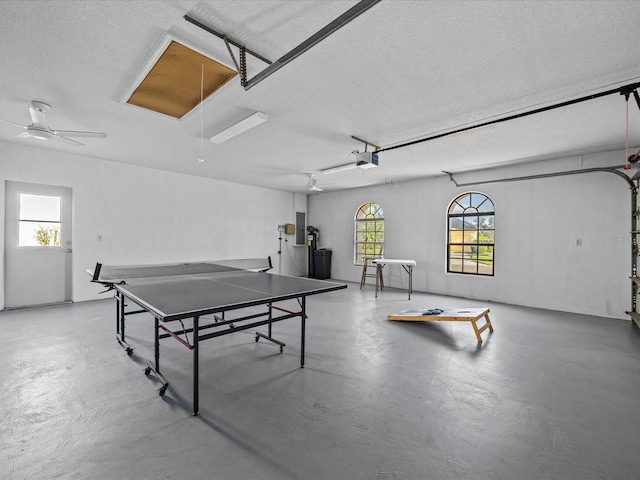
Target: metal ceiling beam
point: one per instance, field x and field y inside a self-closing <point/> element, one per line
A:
<point x="332" y="27"/>
<point x="225" y="38"/>
<point x="625" y="90"/>
<point x="614" y="170"/>
<point x="366" y="144"/>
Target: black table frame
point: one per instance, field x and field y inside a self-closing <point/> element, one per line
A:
<point x="222" y="325"/>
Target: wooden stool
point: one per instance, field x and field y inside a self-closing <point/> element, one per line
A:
<point x="366" y="265"/>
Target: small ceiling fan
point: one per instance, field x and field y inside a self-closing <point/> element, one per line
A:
<point x="40" y="129"/>
<point x="312" y="184"/>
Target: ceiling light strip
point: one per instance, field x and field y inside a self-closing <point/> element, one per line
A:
<point x="242" y="126"/>
<point x="364" y="160"/>
<point x="339" y="168"/>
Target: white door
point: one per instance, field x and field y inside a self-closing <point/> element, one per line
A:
<point x="37" y="244"/>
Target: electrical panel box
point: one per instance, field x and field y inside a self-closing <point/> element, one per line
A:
<point x="301" y="230"/>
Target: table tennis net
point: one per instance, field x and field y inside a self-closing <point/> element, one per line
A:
<point x="119" y="273"/>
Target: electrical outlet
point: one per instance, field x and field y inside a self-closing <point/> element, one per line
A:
<point x="578" y="242"/>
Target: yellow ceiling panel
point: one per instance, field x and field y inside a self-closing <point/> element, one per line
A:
<point x="173" y="84"/>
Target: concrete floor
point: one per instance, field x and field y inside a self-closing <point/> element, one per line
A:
<point x="548" y="395"/>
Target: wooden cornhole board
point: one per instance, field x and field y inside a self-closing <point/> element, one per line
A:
<point x="452" y="315"/>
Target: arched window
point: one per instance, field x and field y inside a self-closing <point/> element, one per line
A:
<point x="471" y="235"/>
<point x="369" y="229"/>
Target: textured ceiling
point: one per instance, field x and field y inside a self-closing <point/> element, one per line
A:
<point x="403" y="70"/>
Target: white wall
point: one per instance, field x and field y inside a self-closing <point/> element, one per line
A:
<point x="144" y="215"/>
<point x="537" y="223"/>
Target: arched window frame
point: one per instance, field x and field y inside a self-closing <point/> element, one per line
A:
<point x="368" y="232"/>
<point x="471" y="235"/>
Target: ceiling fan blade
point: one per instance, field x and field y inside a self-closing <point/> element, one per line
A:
<point x="13" y="123"/>
<point x="38" y="118"/>
<point x="66" y="140"/>
<point x="72" y="133"/>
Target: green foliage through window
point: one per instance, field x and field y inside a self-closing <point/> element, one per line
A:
<point x="47" y="236"/>
<point x="39" y="220"/>
<point x="471" y="235"/>
<point x="369" y="232"/>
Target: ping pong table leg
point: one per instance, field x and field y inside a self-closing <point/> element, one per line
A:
<point x="303" y="318"/>
<point x="120" y="304"/>
<point x="117" y="297"/>
<point x="156" y="344"/>
<point x="268" y="336"/>
<point x="196" y="341"/>
<point x="156" y="370"/>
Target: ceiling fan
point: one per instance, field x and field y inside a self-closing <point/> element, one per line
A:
<point x="312" y="184"/>
<point x="40" y="129"/>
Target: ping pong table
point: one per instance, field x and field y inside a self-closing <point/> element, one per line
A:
<point x="204" y="292"/>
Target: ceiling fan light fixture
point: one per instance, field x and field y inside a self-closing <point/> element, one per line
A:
<point x="40" y="134"/>
<point x="40" y="129"/>
<point x="242" y="126"/>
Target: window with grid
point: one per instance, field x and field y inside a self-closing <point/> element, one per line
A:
<point x="369" y="230"/>
<point x="471" y="235"/>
